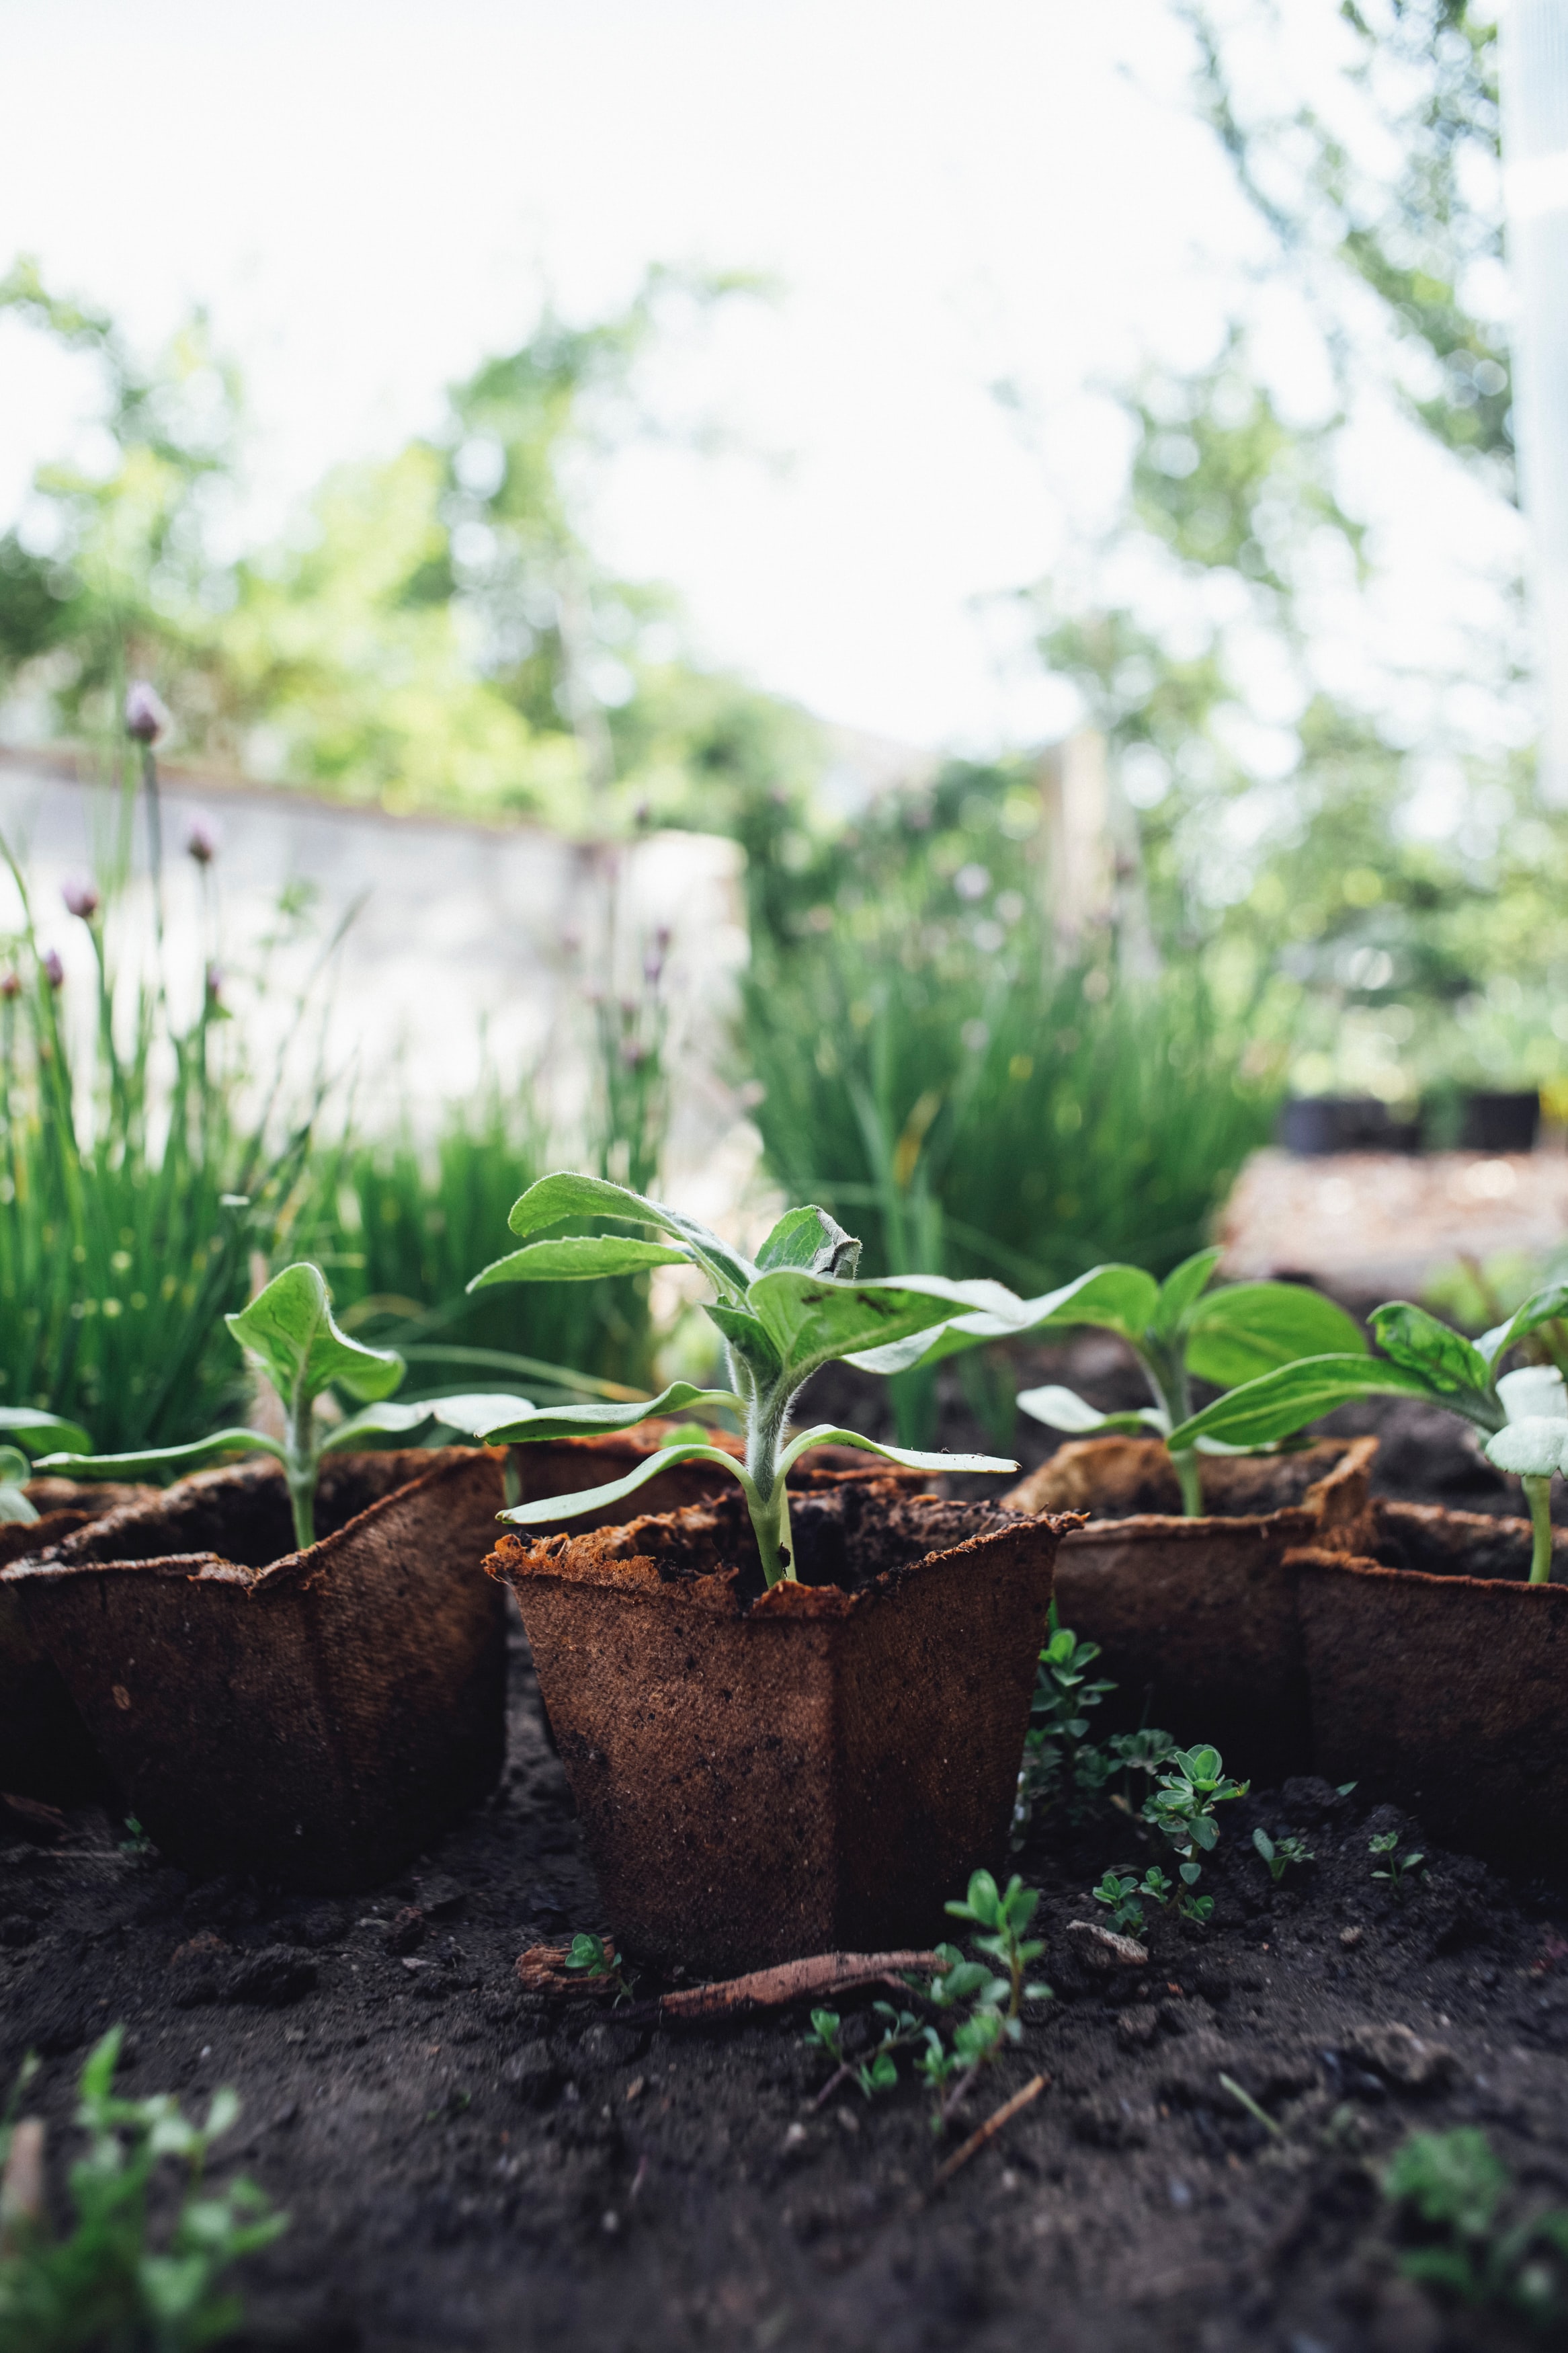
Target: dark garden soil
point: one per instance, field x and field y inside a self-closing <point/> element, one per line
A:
<point x="468" y="2164"/>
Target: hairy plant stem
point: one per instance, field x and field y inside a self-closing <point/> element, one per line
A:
<point x="766" y="1411"/>
<point x="299" y="1468"/>
<point x="1537" y="1495"/>
<point x="1167" y="1376"/>
<point x="1185" y="1466"/>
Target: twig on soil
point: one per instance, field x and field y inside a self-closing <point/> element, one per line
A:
<point x="822" y="1973"/>
<point x="987" y="2132"/>
<point x="37" y="1822"/>
<point x="1125" y="1949"/>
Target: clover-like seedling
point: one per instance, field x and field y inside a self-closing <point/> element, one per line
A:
<point x="1397" y="1869"/>
<point x="1522" y="1416"/>
<point x="288" y="1331"/>
<point x="782" y="1316"/>
<point x="1179" y="1330"/>
<point x="1281" y="1852"/>
<point x="1182" y="1807"/>
<point x="32" y="1430"/>
<point x="596" y="1957"/>
<point x="879" y="2071"/>
<point x="1453" y="2187"/>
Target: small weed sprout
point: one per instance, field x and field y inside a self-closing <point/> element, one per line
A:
<point x="990" y="1992"/>
<point x="1396" y="1870"/>
<point x="105" y="2283"/>
<point x="1183" y="1809"/>
<point x="1056" y="1752"/>
<point x="289" y="1333"/>
<point x="878" y="2071"/>
<point x="596" y="1957"/>
<point x="1281" y="1852"/>
<point x="1124" y="1896"/>
<point x="1453" y="2186"/>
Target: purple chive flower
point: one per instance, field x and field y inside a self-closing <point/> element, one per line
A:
<point x="145" y="717"/>
<point x="54" y="970"/>
<point x="215" y="982"/>
<point x="80" y="899"/>
<point x="11" y="985"/>
<point x="201" y="842"/>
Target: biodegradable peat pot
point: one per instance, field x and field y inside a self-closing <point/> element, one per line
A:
<point x="1437" y="1676"/>
<point x="318" y="1716"/>
<point x="765" y="1775"/>
<point x="45" y="1751"/>
<point x="1196" y="1618"/>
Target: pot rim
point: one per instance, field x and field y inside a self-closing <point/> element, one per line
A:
<point x="556" y="1561"/>
<point x="1321" y="1557"/>
<point x="291" y="1572"/>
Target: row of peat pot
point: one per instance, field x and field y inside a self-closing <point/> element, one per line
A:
<point x="760" y="1776"/>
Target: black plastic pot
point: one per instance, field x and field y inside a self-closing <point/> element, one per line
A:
<point x="1500" y="1123"/>
<point x="1310" y="1125"/>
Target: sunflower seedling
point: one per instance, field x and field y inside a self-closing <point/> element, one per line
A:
<point x="796" y="1307"/>
<point x="1281" y="1852"/>
<point x="1179" y="1329"/>
<point x="1522" y="1417"/>
<point x="1396" y="1870"/>
<point x="289" y="1334"/>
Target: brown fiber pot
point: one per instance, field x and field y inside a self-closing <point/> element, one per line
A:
<point x="1196" y="1618"/>
<point x="761" y="1776"/>
<point x="314" y="1716"/>
<point x="45" y="1750"/>
<point x="1437" y="1676"/>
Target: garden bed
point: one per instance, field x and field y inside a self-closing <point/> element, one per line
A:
<point x="470" y="2165"/>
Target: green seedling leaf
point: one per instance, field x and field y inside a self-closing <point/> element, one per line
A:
<point x="1448" y="1362"/>
<point x="289" y="1327"/>
<point x="374" y="1423"/>
<point x="1246" y="1330"/>
<point x="161" y="1458"/>
<point x="1546" y="1306"/>
<point x="578" y="1258"/>
<point x="604" y="1420"/>
<point x="1181" y="1291"/>
<point x="553" y="1198"/>
<point x="750" y="1343"/>
<point x="477" y="1410"/>
<point x="1263" y="1411"/>
<point x="810" y="1238"/>
<point x="811" y="1320"/>
<point x="1119" y="1299"/>
<point x="32" y="1429"/>
<point x="547" y="1509"/>
<point x="1122" y="1299"/>
<point x="16" y="1510"/>
<point x="1532" y="1448"/>
<point x="1061" y="1408"/>
<point x="825" y="1433"/>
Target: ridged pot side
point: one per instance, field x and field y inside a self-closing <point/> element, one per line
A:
<point x="1439" y="1688"/>
<point x="1196" y="1618"/>
<point x="45" y="1750"/>
<point x="317" y="1717"/>
<point x="761" y="1776"/>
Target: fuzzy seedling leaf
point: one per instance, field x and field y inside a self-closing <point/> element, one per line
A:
<point x="1061" y="1408"/>
<point x="289" y="1328"/>
<point x="826" y="1433"/>
<point x="542" y="1423"/>
<point x="578" y="1258"/>
<point x="808" y="1237"/>
<point x="1180" y="1292"/>
<point x="1452" y="1367"/>
<point x="811" y="1320"/>
<point x="33" y="1430"/>
<point x="1532" y="1448"/>
<point x="1545" y="1306"/>
<point x="1280" y="1403"/>
<point x="1249" y="1328"/>
<point x="545" y="1510"/>
<point x="553" y="1198"/>
<point x="158" y="1459"/>
<point x="749" y="1341"/>
<point x="1533" y="1390"/>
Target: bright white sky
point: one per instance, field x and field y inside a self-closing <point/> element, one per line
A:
<point x="369" y="195"/>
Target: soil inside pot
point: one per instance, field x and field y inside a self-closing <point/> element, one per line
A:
<point x="846" y="1538"/>
<point x="247" y="1521"/>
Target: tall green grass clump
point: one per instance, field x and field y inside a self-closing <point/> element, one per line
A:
<point x="133" y="1183"/>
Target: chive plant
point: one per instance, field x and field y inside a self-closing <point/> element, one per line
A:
<point x="1522" y="1417"/>
<point x="289" y="1333"/>
<point x="796" y="1307"/>
<point x="1179" y="1330"/>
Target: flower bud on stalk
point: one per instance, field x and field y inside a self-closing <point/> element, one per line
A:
<point x="145" y="716"/>
<point x="201" y="842"/>
<point x="81" y="900"/>
<point x="54" y="970"/>
<point x="11" y="984"/>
